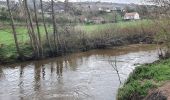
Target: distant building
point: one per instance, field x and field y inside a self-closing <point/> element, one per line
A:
<point x="97" y="20"/>
<point x="132" y="16"/>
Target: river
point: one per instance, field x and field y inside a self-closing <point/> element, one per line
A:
<point x="79" y="76"/>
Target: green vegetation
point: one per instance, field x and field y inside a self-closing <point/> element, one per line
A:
<point x="134" y="24"/>
<point x="23" y="37"/>
<point x="145" y="78"/>
<point x="7" y="46"/>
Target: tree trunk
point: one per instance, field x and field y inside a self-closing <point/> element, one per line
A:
<point x="25" y="16"/>
<point x="45" y="27"/>
<point x="14" y="31"/>
<point x="54" y="25"/>
<point x="38" y="29"/>
<point x="32" y="31"/>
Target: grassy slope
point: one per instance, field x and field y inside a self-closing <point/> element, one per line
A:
<point x="144" y="78"/>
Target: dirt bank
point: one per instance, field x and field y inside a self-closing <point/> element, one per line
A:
<point x="162" y="93"/>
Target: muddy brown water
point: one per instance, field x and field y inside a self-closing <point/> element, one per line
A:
<point x="78" y="76"/>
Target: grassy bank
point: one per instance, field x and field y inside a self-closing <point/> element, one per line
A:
<point x="145" y="78"/>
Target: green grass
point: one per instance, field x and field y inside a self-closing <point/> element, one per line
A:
<point x="6" y="36"/>
<point x="144" y="78"/>
<point x="7" y="45"/>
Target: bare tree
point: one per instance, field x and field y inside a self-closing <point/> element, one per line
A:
<point x="54" y="23"/>
<point x="162" y="21"/>
<point x="25" y="17"/>
<point x="45" y="27"/>
<point x="14" y="30"/>
<point x="38" y="29"/>
<point x="35" y="40"/>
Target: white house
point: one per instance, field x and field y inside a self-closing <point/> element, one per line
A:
<point x="132" y="16"/>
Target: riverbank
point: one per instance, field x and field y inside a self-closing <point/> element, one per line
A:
<point x="147" y="82"/>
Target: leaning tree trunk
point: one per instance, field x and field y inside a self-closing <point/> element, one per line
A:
<point x="25" y="17"/>
<point x="45" y="27"/>
<point x="14" y="31"/>
<point x="38" y="29"/>
<point x="32" y="31"/>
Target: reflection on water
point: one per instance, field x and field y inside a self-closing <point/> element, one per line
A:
<point x="79" y="76"/>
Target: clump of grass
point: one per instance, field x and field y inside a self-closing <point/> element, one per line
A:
<point x="143" y="79"/>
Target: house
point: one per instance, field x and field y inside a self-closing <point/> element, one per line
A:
<point x="131" y="16"/>
<point x="97" y="20"/>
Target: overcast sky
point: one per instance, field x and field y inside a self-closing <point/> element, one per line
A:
<point x="114" y="1"/>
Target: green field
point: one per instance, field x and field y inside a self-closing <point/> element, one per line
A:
<point x="6" y="36"/>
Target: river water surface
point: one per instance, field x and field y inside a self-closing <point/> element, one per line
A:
<point x="80" y="76"/>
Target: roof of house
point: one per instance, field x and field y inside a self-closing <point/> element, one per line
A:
<point x="131" y="14"/>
